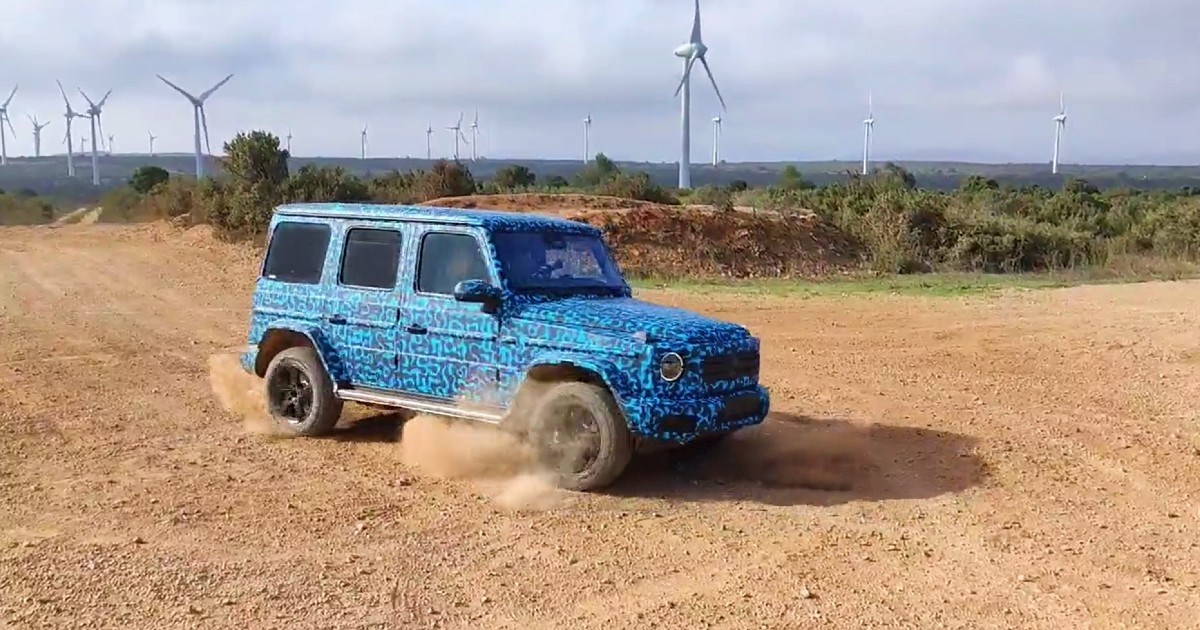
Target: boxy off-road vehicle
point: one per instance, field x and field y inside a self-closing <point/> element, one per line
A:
<point x="508" y="318"/>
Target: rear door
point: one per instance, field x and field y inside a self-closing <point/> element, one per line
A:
<point x="362" y="316"/>
<point x="448" y="348"/>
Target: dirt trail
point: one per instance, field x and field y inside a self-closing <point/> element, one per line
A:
<point x="1028" y="460"/>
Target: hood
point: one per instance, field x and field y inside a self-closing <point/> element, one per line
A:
<point x="629" y="316"/>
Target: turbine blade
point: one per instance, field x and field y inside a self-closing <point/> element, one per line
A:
<point x="10" y="127"/>
<point x="100" y="124"/>
<point x="31" y="119"/>
<point x="10" y="96"/>
<point x="177" y="88"/>
<point x="85" y="97"/>
<point x="64" y="94"/>
<point x="106" y="95"/>
<point x="204" y="123"/>
<point x="696" y="25"/>
<point x="708" y="71"/>
<point x="207" y="93"/>
<point x="687" y="72"/>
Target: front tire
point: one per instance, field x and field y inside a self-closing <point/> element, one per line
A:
<point x="581" y="435"/>
<point x="300" y="394"/>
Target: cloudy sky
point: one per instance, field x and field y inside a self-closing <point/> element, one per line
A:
<point x="952" y="79"/>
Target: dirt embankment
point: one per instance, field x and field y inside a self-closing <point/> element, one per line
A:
<point x="654" y="240"/>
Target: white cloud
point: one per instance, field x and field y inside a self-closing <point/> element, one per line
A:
<point x="973" y="77"/>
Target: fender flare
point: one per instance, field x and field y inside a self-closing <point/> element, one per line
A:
<point x="325" y="351"/>
<point x="607" y="372"/>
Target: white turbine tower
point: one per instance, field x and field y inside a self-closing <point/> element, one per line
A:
<point x="456" y="130"/>
<point x="289" y="142"/>
<point x="363" y="144"/>
<point x="716" y="140"/>
<point x="1060" y="125"/>
<point x="70" y="115"/>
<point x="475" y="137"/>
<point x="200" y="118"/>
<point x="82" y="141"/>
<point x="868" y="129"/>
<point x="152" y="139"/>
<point x="37" y="134"/>
<point x="111" y="143"/>
<point x="5" y="119"/>
<point x="429" y="142"/>
<point x="690" y="52"/>
<point x="587" y="138"/>
<point x="94" y="111"/>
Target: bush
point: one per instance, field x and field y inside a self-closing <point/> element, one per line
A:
<point x="20" y="209"/>
<point x="719" y="198"/>
<point x="316" y="184"/>
<point x="636" y="186"/>
<point x="146" y="178"/>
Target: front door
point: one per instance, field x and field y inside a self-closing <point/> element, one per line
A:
<point x="365" y="304"/>
<point x="447" y="348"/>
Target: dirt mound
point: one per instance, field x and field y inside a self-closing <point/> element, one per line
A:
<point x="654" y="240"/>
<point x="541" y="202"/>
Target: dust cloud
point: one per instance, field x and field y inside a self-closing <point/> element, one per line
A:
<point x="240" y="394"/>
<point x="505" y="467"/>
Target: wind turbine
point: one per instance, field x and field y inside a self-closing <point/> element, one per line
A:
<point x="363" y="143"/>
<point x="475" y="137"/>
<point x="200" y="118"/>
<point x="152" y="138"/>
<point x="289" y="142"/>
<point x="587" y="138"/>
<point x="82" y="141"/>
<point x="716" y="140"/>
<point x="868" y="129"/>
<point x="37" y="135"/>
<point x="111" y="142"/>
<point x="457" y="131"/>
<point x="693" y="50"/>
<point x="70" y="115"/>
<point x="1060" y="125"/>
<point x="5" y="119"/>
<point x="429" y="142"/>
<point x="94" y="110"/>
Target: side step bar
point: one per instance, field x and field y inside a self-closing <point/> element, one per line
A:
<point x="420" y="405"/>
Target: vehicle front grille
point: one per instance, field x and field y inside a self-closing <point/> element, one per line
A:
<point x="729" y="367"/>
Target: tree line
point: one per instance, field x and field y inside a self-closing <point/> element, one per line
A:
<point x="898" y="226"/>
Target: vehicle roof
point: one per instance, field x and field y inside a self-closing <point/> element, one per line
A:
<point x="486" y="218"/>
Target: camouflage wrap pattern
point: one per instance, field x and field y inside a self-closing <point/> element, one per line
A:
<point x="404" y="341"/>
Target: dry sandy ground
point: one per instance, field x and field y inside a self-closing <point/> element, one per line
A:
<point x="1028" y="460"/>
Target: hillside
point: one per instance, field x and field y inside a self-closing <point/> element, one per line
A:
<point x="47" y="175"/>
<point x="653" y="240"/>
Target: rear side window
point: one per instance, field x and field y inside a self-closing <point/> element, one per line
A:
<point x="371" y="258"/>
<point x="297" y="252"/>
<point x="447" y="259"/>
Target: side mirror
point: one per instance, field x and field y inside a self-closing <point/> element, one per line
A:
<point x="477" y="291"/>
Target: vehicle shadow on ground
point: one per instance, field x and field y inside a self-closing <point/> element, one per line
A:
<point x="798" y="460"/>
<point x="381" y="427"/>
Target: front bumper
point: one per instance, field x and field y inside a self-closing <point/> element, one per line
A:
<point x="681" y="421"/>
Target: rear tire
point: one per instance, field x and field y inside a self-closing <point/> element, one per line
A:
<point x="300" y="394"/>
<point x="581" y="435"/>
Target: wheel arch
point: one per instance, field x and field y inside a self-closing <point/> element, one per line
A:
<point x="281" y="335"/>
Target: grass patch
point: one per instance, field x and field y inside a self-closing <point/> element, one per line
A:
<point x="932" y="285"/>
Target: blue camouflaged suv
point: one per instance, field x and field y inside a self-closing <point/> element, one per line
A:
<point x="514" y="319"/>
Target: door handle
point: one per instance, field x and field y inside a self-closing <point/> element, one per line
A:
<point x="416" y="329"/>
<point x="337" y="319"/>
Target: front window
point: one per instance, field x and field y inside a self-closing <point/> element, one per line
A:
<point x="550" y="261"/>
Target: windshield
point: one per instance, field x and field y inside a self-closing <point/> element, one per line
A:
<point x="555" y="261"/>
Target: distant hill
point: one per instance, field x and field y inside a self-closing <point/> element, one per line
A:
<point x="47" y="175"/>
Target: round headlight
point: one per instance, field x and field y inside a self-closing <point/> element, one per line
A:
<point x="671" y="367"/>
